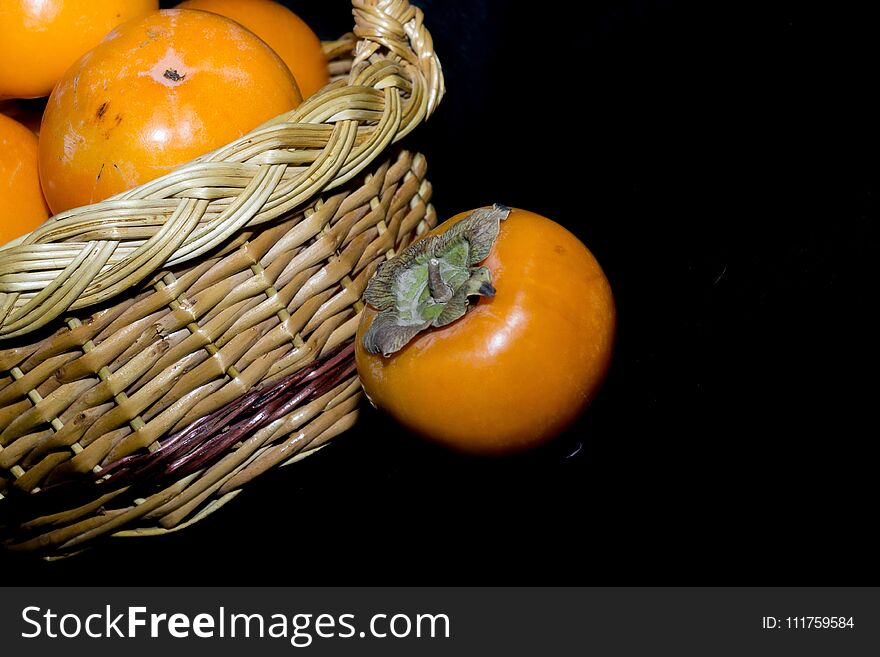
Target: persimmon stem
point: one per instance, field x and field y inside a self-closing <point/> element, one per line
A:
<point x="440" y="291"/>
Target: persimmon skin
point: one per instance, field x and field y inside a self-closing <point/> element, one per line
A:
<point x="41" y="38"/>
<point x="22" y="207"/>
<point x="155" y="94"/>
<point x="285" y="32"/>
<point x="519" y="367"/>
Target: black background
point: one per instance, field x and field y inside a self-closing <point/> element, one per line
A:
<point x="719" y="159"/>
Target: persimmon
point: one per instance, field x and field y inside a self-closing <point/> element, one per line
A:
<point x="22" y="207"/>
<point x="503" y="374"/>
<point x="41" y="38"/>
<point x="154" y="94"/>
<point x="284" y="31"/>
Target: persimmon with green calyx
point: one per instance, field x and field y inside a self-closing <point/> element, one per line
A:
<point x="490" y="335"/>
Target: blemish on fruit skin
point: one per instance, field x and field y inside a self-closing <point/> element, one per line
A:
<point x="102" y="110"/>
<point x="127" y="173"/>
<point x="63" y="89"/>
<point x="18" y="167"/>
<point x="170" y="70"/>
<point x="116" y="121"/>
<point x="72" y="142"/>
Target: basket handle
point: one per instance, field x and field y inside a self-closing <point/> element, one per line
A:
<point x="85" y="256"/>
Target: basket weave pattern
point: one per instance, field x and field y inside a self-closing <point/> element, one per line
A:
<point x="168" y="302"/>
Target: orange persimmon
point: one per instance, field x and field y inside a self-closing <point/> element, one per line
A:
<point x="41" y="38"/>
<point x="154" y="94"/>
<point x="22" y="207"/>
<point x="518" y="366"/>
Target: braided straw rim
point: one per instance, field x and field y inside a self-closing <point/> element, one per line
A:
<point x="87" y="255"/>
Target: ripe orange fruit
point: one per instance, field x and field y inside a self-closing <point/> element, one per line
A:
<point x="41" y="38"/>
<point x="154" y="94"/>
<point x="22" y="207"/>
<point x="522" y="362"/>
<point x="284" y="31"/>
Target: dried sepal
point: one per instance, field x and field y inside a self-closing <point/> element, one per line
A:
<point x="431" y="281"/>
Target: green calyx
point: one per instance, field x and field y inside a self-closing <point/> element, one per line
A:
<point x="431" y="281"/>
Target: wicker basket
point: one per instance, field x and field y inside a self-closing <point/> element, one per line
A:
<point x="160" y="349"/>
